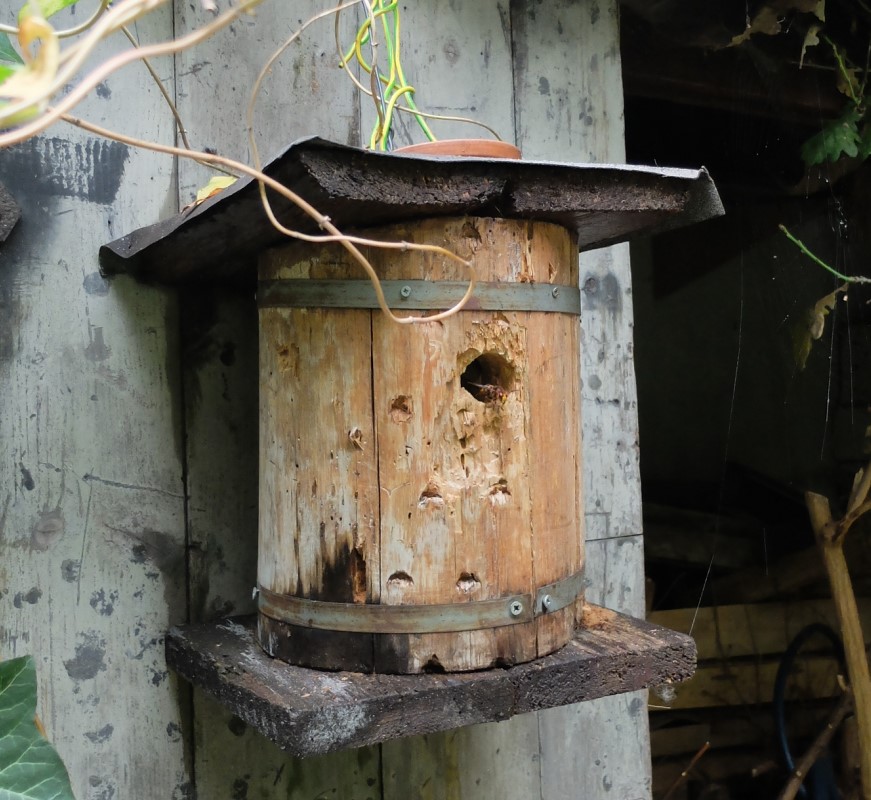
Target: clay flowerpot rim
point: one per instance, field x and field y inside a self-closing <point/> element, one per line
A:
<point x="469" y="148"/>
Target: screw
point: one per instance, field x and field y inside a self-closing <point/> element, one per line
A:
<point x="554" y="292"/>
<point x="546" y="602"/>
<point x="516" y="608"/>
<point x="405" y="292"/>
<point x="254" y="592"/>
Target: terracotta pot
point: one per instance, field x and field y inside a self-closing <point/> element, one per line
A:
<point x="470" y="148"/>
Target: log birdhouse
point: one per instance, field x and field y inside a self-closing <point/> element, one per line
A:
<point x="420" y="499"/>
<point x="420" y="506"/>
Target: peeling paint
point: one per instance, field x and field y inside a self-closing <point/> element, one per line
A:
<point x="103" y="604"/>
<point x="70" y="569"/>
<point x="96" y="349"/>
<point x="240" y="788"/>
<point x="95" y="284"/>
<point x="100" y="788"/>
<point x="89" y="658"/>
<point x="90" y="171"/>
<point x="100" y="736"/>
<point x="26" y="478"/>
<point x="31" y="597"/>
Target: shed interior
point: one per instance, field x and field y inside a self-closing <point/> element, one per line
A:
<point x="741" y="410"/>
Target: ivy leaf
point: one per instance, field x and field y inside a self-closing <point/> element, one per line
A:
<point x="837" y="138"/>
<point x="8" y="54"/>
<point x="48" y="8"/>
<point x="30" y="768"/>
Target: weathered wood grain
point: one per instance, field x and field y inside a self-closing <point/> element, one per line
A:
<point x="92" y="556"/>
<point x="306" y="95"/>
<point x="569" y="105"/>
<point x="468" y="507"/>
<point x="310" y="712"/>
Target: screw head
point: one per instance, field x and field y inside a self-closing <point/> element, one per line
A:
<point x="547" y="602"/>
<point x="554" y="292"/>
<point x="405" y="292"/>
<point x="515" y="608"/>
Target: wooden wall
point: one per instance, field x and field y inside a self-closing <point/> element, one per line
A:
<point x="128" y="427"/>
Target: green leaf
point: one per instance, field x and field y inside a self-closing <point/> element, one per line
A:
<point x="837" y="138"/>
<point x="48" y="8"/>
<point x="30" y="768"/>
<point x="6" y="71"/>
<point x="8" y="54"/>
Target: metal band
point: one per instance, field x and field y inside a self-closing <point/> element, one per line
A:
<point x="420" y="295"/>
<point x="445" y="618"/>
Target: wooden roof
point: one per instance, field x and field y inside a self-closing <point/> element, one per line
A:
<point x="219" y="240"/>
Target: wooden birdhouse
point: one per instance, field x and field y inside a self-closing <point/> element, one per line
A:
<point x="420" y="484"/>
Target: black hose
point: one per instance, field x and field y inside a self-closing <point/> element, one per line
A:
<point x="828" y="789"/>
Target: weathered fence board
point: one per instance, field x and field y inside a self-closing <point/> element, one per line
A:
<point x="92" y="552"/>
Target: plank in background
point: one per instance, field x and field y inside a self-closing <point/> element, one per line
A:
<point x="740" y="683"/>
<point x="91" y="507"/>
<point x="307" y="94"/>
<point x="756" y="630"/>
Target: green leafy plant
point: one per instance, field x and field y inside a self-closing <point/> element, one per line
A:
<point x="850" y="134"/>
<point x="30" y="768"/>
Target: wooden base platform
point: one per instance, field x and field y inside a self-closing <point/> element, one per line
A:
<point x="308" y="712"/>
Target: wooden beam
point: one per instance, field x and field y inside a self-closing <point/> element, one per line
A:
<point x="310" y="712"/>
<point x="753" y="630"/>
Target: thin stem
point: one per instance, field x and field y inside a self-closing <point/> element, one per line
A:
<point x="683" y="776"/>
<point x="842" y="68"/>
<point x="335" y="235"/>
<point x="801" y="246"/>
<point x="172" y="107"/>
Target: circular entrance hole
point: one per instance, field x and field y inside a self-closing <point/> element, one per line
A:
<point x="488" y="378"/>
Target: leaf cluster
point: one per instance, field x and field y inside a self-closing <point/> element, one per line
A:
<point x="850" y="134"/>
